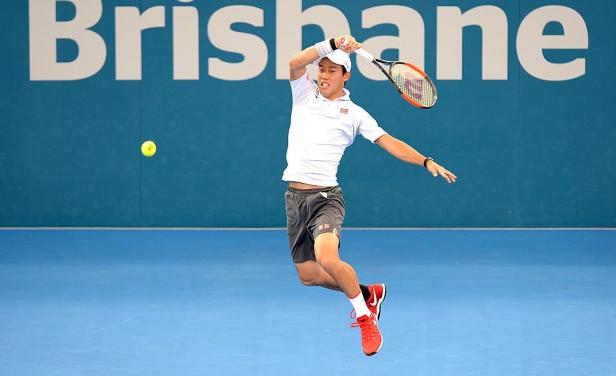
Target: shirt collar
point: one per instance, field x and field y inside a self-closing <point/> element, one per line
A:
<point x="345" y="97"/>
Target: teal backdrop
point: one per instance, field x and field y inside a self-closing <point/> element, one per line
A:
<point x="528" y="152"/>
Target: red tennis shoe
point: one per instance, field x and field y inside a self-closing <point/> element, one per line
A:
<point x="371" y="339"/>
<point x="377" y="296"/>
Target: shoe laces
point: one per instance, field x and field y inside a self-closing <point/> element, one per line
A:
<point x="369" y="329"/>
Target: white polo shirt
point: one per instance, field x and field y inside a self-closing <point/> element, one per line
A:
<point x="320" y="131"/>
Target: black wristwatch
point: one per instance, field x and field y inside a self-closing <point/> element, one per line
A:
<point x="426" y="161"/>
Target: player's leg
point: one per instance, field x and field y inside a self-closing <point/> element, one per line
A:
<point x="325" y="227"/>
<point x="326" y="252"/>
<point x="314" y="220"/>
<point x="311" y="273"/>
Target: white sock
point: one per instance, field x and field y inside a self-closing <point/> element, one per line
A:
<point x="360" y="306"/>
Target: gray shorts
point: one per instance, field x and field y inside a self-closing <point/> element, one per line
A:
<point x="310" y="213"/>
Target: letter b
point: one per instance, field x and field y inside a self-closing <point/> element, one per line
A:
<point x="45" y="30"/>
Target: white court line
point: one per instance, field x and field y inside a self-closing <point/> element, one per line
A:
<point x="482" y="228"/>
<point x="284" y="228"/>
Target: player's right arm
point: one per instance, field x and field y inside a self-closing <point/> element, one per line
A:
<point x="298" y="63"/>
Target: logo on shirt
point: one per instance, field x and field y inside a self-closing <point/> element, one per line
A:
<point x="344" y="110"/>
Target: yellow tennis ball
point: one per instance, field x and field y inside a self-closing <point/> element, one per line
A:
<point x="148" y="148"/>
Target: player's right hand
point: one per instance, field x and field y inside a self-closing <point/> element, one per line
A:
<point x="347" y="43"/>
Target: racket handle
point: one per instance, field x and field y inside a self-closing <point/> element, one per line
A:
<point x="365" y="54"/>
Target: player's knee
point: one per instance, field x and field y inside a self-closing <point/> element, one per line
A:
<point x="326" y="251"/>
<point x="329" y="263"/>
<point x="308" y="279"/>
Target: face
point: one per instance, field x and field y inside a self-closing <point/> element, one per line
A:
<point x="331" y="79"/>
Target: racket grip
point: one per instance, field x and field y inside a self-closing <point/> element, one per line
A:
<point x="365" y="54"/>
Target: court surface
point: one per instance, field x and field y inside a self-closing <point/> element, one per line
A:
<point x="193" y="302"/>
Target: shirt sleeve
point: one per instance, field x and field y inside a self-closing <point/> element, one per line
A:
<point x="369" y="128"/>
<point x="302" y="88"/>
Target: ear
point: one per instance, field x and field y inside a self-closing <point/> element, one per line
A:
<point x="346" y="76"/>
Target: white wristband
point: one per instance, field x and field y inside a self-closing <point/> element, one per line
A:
<point x="323" y="48"/>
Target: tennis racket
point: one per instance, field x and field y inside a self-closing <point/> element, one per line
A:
<point x="411" y="82"/>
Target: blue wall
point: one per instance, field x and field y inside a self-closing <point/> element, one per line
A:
<point x="528" y="152"/>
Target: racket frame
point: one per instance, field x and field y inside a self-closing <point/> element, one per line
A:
<point x="378" y="62"/>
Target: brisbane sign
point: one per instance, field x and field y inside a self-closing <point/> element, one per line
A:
<point x="187" y="28"/>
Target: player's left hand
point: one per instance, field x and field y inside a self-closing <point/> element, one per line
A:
<point x="435" y="169"/>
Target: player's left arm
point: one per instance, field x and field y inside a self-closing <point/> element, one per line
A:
<point x="407" y="153"/>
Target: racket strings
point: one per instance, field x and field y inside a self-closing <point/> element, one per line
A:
<point x="413" y="84"/>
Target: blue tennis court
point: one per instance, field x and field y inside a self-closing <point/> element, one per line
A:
<point x="194" y="302"/>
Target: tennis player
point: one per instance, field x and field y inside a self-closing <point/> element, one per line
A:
<point x="324" y="122"/>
